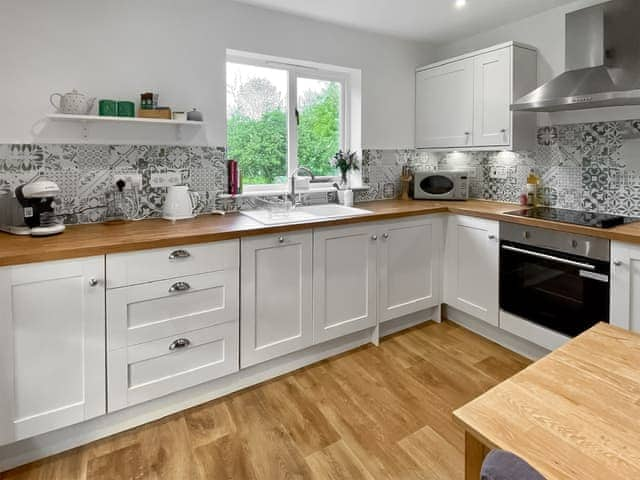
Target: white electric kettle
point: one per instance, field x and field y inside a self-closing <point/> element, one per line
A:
<point x="180" y="203"/>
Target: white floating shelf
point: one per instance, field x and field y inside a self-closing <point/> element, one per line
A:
<point x="85" y="120"/>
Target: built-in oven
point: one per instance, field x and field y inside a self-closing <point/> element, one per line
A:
<point x="554" y="279"/>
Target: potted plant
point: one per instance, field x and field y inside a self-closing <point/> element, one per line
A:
<point x="345" y="162"/>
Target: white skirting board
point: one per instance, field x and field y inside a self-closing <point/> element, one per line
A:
<point x="411" y="320"/>
<point x="501" y="337"/>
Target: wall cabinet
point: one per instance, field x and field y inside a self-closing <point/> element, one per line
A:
<point x="344" y="280"/>
<point x="277" y="316"/>
<point x="471" y="281"/>
<point x="464" y="102"/>
<point x="444" y="105"/>
<point x="410" y="266"/>
<point x="52" y="363"/>
<point x="625" y="295"/>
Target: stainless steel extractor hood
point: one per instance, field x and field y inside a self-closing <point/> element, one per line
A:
<point x="602" y="61"/>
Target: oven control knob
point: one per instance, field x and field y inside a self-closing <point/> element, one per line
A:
<point x="574" y="243"/>
<point x="526" y="235"/>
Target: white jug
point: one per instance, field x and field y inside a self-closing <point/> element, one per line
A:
<point x="180" y="203"/>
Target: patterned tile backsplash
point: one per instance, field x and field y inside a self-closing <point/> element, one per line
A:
<point x="85" y="173"/>
<point x="594" y="167"/>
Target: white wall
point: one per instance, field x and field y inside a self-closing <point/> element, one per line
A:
<point x="546" y="32"/>
<point x="119" y="48"/>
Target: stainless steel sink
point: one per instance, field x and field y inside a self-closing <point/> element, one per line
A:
<point x="303" y="214"/>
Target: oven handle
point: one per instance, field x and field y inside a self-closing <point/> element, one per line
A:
<point x="586" y="266"/>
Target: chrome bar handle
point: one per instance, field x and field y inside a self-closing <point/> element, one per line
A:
<point x="179" y="343"/>
<point x="178" y="254"/>
<point x="544" y="256"/>
<point x="179" y="287"/>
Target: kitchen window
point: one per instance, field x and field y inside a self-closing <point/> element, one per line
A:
<point x="281" y="115"/>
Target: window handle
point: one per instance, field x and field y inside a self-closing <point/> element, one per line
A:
<point x="297" y="117"/>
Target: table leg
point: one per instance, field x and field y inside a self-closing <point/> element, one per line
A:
<point x="474" y="453"/>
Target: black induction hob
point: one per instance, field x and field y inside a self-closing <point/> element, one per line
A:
<point x="576" y="217"/>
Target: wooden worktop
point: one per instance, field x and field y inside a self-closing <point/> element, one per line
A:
<point x="573" y="414"/>
<point x="100" y="239"/>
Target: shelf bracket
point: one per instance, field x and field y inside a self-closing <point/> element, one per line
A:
<point x="179" y="133"/>
<point x="84" y="129"/>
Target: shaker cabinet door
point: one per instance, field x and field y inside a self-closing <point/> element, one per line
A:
<point x="625" y="274"/>
<point x="344" y="280"/>
<point x="444" y="106"/>
<point x="410" y="253"/>
<point x="276" y="311"/>
<point x="52" y="364"/>
<point x="471" y="267"/>
<point x="492" y="98"/>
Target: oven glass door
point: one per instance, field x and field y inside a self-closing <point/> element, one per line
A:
<point x="564" y="293"/>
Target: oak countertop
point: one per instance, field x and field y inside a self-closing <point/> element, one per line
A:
<point x="572" y="414"/>
<point x="101" y="239"/>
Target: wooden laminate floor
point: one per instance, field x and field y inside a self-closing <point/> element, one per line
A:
<point x="373" y="413"/>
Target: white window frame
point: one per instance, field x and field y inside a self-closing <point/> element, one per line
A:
<point x="294" y="71"/>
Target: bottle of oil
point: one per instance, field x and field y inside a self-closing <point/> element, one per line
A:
<point x="532" y="189"/>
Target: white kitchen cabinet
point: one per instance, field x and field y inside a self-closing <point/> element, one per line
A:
<point x="409" y="266"/>
<point x="625" y="278"/>
<point x="344" y="280"/>
<point x="175" y="321"/>
<point x="52" y="363"/>
<point x="471" y="267"/>
<point x="444" y="105"/>
<point x="464" y="102"/>
<point x="150" y="370"/>
<point x="492" y="98"/>
<point x="277" y="316"/>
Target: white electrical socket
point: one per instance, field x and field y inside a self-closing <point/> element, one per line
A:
<point x="131" y="180"/>
<point x="166" y="179"/>
<point x="500" y="173"/>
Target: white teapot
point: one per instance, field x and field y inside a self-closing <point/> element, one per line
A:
<point x="73" y="103"/>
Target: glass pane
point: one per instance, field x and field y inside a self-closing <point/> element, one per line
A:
<point x="257" y="122"/>
<point x="320" y="124"/>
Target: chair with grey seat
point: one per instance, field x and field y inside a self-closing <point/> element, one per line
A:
<point x="501" y="465"/>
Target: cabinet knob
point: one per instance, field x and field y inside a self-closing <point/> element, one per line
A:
<point x="177" y="254"/>
<point x="93" y="282"/>
<point x="467" y="133"/>
<point x="492" y="237"/>
<point x="281" y="239"/>
<point x="374" y="237"/>
<point x="385" y="235"/>
<point x="504" y="130"/>
<point x="179" y="343"/>
<point x="179" y="287"/>
<point x="617" y="263"/>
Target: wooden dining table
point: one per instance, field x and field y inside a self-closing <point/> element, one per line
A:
<point x="574" y="414"/>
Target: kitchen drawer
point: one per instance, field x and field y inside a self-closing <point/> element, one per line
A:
<point x="149" y="265"/>
<point x="146" y="312"/>
<point x="150" y="370"/>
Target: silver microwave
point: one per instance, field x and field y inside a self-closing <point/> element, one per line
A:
<point x="441" y="185"/>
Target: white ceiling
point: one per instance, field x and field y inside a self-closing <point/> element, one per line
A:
<point x="436" y="21"/>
